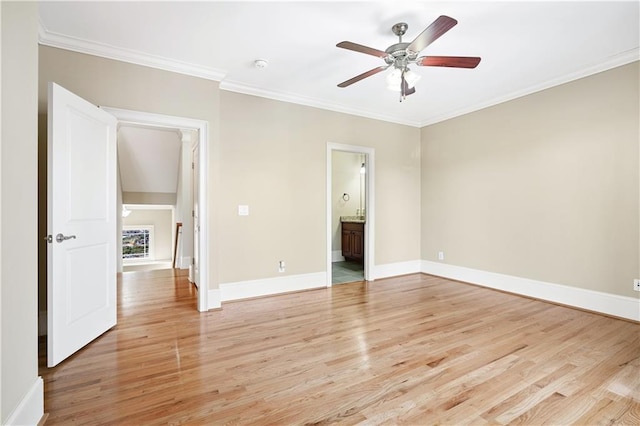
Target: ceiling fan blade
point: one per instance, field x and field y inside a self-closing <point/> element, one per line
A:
<point x="432" y="33"/>
<point x="448" y="61"/>
<point x="363" y="76"/>
<point x="362" y="49"/>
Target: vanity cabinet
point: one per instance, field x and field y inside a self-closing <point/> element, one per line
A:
<point x="353" y="241"/>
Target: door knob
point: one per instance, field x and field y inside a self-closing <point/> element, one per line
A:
<point x="60" y="238"/>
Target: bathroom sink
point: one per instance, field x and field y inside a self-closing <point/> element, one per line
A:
<point x="357" y="219"/>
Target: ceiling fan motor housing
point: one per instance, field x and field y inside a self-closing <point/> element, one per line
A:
<point x="399" y="55"/>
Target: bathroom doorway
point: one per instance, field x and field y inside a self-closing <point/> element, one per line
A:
<point x="349" y="214"/>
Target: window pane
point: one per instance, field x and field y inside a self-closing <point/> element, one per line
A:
<point x="135" y="244"/>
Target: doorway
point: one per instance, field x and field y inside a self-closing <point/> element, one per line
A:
<point x="199" y="127"/>
<point x="350" y="213"/>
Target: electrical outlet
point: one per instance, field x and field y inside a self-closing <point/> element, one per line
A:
<point x="636" y="284"/>
<point x="440" y="255"/>
<point x="281" y="266"/>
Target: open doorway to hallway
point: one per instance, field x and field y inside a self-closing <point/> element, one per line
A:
<point x="197" y="133"/>
<point x="156" y="192"/>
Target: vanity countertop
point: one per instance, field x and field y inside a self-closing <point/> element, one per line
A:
<point x="353" y="219"/>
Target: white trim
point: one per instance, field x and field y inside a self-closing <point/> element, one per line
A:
<point x="606" y="303"/>
<point x="31" y="408"/>
<point x="336" y="256"/>
<point x="49" y="38"/>
<point x="149" y="206"/>
<point x="184" y="262"/>
<point x="269" y="286"/>
<point x="398" y="268"/>
<point x="237" y="87"/>
<point x="369" y="226"/>
<point x="206" y="234"/>
<point x="61" y="41"/>
<point x="613" y="62"/>
<point x="214" y="299"/>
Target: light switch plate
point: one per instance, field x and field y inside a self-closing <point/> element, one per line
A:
<point x="243" y="210"/>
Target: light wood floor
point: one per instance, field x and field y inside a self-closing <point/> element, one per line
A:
<point x="410" y="350"/>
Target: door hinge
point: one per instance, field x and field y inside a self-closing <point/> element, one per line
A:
<point x="193" y="165"/>
<point x="193" y="213"/>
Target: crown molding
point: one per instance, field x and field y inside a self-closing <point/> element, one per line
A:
<point x="52" y="39"/>
<point x="237" y="87"/>
<point x="615" y="61"/>
<point x="49" y="38"/>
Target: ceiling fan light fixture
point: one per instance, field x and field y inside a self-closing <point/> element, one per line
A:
<point x="394" y="80"/>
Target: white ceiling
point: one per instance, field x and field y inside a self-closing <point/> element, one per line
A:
<point x="148" y="159"/>
<point x="525" y="47"/>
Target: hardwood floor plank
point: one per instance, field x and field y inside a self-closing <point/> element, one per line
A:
<point x="412" y="350"/>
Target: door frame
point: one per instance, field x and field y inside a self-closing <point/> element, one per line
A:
<point x="160" y="120"/>
<point x="369" y="202"/>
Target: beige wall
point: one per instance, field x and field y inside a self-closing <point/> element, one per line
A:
<point x="269" y="155"/>
<point x="118" y="84"/>
<point x="19" y="341"/>
<point x="273" y="159"/>
<point x="345" y="178"/>
<point x="162" y="222"/>
<point x="544" y="187"/>
<point x="168" y="198"/>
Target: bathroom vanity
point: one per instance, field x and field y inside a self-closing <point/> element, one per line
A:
<point x="353" y="238"/>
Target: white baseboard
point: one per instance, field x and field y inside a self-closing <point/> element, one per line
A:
<point x="606" y="303"/>
<point x="336" y="256"/>
<point x="213" y="299"/>
<point x="31" y="408"/>
<point x="267" y="286"/>
<point x="395" y="269"/>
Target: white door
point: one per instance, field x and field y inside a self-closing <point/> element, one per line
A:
<point x="81" y="223"/>
<point x="195" y="166"/>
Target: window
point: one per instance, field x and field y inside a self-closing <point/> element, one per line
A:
<point x="137" y="242"/>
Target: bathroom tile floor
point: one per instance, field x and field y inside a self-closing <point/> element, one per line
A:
<point x="346" y="272"/>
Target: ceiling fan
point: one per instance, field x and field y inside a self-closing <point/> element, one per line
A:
<point x="401" y="55"/>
